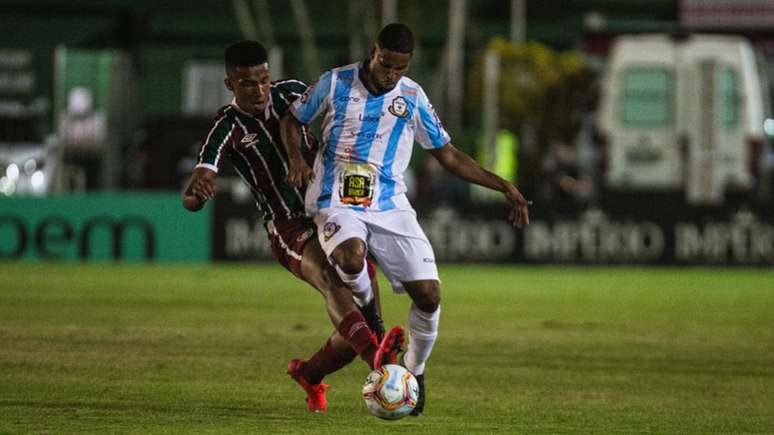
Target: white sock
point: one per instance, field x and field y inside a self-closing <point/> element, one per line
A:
<point x="423" y="330"/>
<point x="360" y="283"/>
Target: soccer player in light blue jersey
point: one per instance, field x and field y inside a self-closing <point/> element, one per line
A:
<point x="371" y="116"/>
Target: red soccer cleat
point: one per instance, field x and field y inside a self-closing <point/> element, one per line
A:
<point x="315" y="393"/>
<point x="389" y="348"/>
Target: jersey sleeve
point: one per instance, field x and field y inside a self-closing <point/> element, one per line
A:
<point x="292" y="88"/>
<point x="285" y="92"/>
<point x="215" y="143"/>
<point x="429" y="129"/>
<point x="313" y="102"/>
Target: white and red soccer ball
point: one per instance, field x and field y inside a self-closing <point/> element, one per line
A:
<point x="390" y="392"/>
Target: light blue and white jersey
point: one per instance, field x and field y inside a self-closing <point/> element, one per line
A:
<point x="367" y="140"/>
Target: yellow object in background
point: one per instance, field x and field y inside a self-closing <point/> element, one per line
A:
<point x="504" y="163"/>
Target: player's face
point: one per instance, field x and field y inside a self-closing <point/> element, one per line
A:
<point x="387" y="67"/>
<point x="250" y="85"/>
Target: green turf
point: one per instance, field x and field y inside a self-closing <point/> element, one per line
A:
<point x="184" y="349"/>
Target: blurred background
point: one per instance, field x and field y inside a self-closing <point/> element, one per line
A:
<point x="640" y="128"/>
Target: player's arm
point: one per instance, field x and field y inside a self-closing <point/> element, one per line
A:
<point x="302" y="112"/>
<point x="461" y="165"/>
<point x="299" y="172"/>
<point x="200" y="189"/>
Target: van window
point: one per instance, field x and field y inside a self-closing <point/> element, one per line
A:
<point x="728" y="87"/>
<point x="647" y="97"/>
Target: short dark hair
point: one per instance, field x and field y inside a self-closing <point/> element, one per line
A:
<point x="396" y="37"/>
<point x="245" y="53"/>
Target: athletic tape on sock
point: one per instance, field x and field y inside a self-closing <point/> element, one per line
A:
<point x="360" y="284"/>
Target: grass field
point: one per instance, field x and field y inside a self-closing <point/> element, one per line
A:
<point x="184" y="349"/>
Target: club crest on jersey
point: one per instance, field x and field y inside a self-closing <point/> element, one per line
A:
<point x="399" y="107"/>
<point x="329" y="229"/>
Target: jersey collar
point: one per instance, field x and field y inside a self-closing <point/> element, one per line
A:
<point x="362" y="75"/>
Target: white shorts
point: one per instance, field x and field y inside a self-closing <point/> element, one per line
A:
<point x="393" y="237"/>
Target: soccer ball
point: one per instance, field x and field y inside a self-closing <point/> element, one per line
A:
<point x="390" y="392"/>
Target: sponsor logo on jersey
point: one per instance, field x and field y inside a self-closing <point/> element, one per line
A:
<point x="329" y="229"/>
<point x="370" y="118"/>
<point x="249" y="138"/>
<point x="346" y="99"/>
<point x="399" y="107"/>
<point x="369" y="135"/>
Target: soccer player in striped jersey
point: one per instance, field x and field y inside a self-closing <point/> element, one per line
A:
<point x="372" y="114"/>
<point x="246" y="133"/>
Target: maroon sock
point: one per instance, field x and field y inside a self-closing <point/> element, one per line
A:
<point x="325" y="362"/>
<point x="371" y="268"/>
<point x="355" y="330"/>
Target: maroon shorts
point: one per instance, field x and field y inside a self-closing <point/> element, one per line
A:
<point x="288" y="239"/>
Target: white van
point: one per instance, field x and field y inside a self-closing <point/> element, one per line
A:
<point x="682" y="114"/>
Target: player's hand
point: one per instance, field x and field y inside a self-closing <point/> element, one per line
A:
<point x="200" y="190"/>
<point x="299" y="173"/>
<point x="203" y="188"/>
<point x="519" y="215"/>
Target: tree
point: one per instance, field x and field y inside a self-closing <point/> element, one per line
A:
<point x="541" y="97"/>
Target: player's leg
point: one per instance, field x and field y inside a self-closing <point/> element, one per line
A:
<point x="408" y="261"/>
<point x="349" y="321"/>
<point x="297" y="250"/>
<point x="424" y="314"/>
<point x="423" y="317"/>
<point x="352" y="336"/>
<point x="338" y="307"/>
<point x="335" y="354"/>
<point x="342" y="236"/>
<point x="373" y="311"/>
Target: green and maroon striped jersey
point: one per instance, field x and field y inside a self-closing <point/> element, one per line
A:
<point x="252" y="144"/>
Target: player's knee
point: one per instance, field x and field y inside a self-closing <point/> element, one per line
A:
<point x="350" y="256"/>
<point x="429" y="304"/>
<point x="429" y="298"/>
<point x="351" y="265"/>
